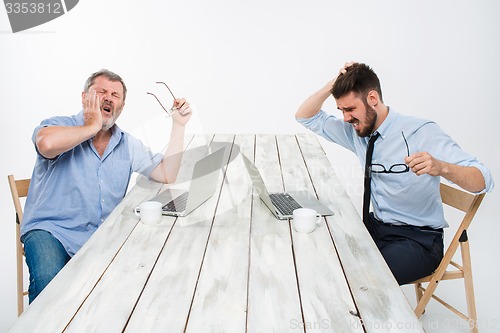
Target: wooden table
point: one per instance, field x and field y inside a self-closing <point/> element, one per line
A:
<point x="229" y="266"/>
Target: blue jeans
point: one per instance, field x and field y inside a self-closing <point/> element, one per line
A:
<point x="45" y="257"/>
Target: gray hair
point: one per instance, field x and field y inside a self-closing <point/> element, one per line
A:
<point x="107" y="74"/>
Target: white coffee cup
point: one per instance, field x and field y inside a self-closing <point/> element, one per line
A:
<point x="150" y="212"/>
<point x="305" y="220"/>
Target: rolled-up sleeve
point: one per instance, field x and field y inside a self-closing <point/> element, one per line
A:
<point x="488" y="179"/>
<point x="329" y="127"/>
<point x="440" y="145"/>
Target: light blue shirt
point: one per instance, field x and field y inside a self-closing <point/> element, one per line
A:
<point x="403" y="198"/>
<point x="72" y="194"/>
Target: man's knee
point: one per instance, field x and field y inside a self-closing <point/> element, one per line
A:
<point x="408" y="260"/>
<point x="38" y="282"/>
<point x="45" y="257"/>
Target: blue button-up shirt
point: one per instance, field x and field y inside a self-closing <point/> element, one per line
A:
<point x="72" y="194"/>
<point x="401" y="198"/>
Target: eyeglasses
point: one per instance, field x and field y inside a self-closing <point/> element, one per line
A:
<point x="396" y="168"/>
<point x="172" y="109"/>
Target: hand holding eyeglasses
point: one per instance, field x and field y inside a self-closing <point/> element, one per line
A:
<point x="184" y="111"/>
<point x="424" y="163"/>
<point x="180" y="105"/>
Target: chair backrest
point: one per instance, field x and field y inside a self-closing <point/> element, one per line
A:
<point x="465" y="202"/>
<point x="19" y="189"/>
<point x="468" y="203"/>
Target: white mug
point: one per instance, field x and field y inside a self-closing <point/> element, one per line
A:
<point x="150" y="212"/>
<point x="305" y="220"/>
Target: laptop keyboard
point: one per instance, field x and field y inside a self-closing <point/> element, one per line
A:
<point x="284" y="203"/>
<point x="178" y="204"/>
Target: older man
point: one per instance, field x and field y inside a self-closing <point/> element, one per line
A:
<point x="83" y="167"/>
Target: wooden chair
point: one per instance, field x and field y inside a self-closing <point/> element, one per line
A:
<point x="467" y="203"/>
<point x="19" y="189"/>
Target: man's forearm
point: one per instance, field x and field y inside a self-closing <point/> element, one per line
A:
<point x="166" y="172"/>
<point x="468" y="178"/>
<point x="52" y="141"/>
<point x="313" y="104"/>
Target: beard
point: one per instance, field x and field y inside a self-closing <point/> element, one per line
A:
<point x="109" y="114"/>
<point x="370" y="120"/>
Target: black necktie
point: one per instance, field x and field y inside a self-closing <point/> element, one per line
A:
<point x="368" y="178"/>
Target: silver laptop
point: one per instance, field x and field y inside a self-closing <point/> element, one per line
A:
<point x="282" y="205"/>
<point x="202" y="186"/>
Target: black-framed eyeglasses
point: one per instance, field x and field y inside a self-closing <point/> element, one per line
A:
<point x="172" y="109"/>
<point x="395" y="168"/>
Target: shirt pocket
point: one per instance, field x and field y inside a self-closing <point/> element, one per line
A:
<point x="397" y="184"/>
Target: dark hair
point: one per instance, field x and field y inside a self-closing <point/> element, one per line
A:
<point x="107" y="74"/>
<point x="360" y="79"/>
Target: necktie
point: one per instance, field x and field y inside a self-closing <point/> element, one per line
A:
<point x="368" y="178"/>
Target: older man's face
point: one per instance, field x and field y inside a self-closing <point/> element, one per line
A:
<point x="110" y="95"/>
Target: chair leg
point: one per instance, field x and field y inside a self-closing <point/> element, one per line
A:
<point x="419" y="293"/>
<point x="469" y="288"/>
<point x="19" y="267"/>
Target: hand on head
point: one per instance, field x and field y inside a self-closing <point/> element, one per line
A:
<point x="348" y="64"/>
<point x="342" y="71"/>
<point x="92" y="109"/>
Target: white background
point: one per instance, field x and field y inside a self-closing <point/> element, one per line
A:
<point x="247" y="66"/>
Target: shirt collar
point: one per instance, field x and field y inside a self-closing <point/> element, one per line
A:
<point x="384" y="128"/>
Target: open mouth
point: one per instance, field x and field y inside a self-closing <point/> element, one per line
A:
<point x="107" y="108"/>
